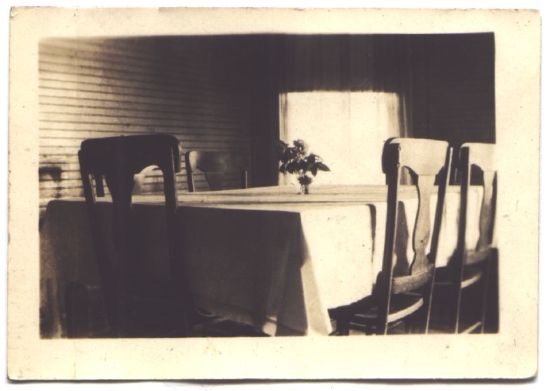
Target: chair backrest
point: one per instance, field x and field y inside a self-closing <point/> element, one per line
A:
<point x="478" y="156"/>
<point x="216" y="166"/>
<point x="428" y="164"/>
<point x="117" y="160"/>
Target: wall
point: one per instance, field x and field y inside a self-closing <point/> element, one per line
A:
<point x="222" y="92"/>
<point x="312" y="63"/>
<point x="446" y="81"/>
<point x="453" y="88"/>
<point x="195" y="88"/>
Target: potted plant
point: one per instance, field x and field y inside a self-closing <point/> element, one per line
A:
<point x="296" y="160"/>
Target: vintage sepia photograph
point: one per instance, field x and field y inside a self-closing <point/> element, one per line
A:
<point x="301" y="185"/>
<point x="207" y="112"/>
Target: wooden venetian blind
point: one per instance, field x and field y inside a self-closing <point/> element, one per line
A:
<point x="192" y="87"/>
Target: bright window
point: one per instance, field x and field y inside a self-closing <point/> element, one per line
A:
<point x="347" y="129"/>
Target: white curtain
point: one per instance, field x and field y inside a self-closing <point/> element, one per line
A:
<point x="346" y="128"/>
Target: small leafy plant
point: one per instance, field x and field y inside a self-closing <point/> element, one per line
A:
<point x="296" y="160"/>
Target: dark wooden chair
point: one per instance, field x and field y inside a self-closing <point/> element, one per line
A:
<point x="471" y="270"/>
<point x="218" y="169"/>
<point x="404" y="296"/>
<point x="134" y="306"/>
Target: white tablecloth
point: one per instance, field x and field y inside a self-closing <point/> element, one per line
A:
<point x="264" y="256"/>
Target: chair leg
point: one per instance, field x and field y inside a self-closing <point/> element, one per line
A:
<point x="485" y="282"/>
<point x="342" y="327"/>
<point x="456" y="294"/>
<point x="492" y="308"/>
<point x="370" y="329"/>
<point x="426" y="310"/>
<point x="409" y="327"/>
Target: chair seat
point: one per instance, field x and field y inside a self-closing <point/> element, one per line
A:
<point x="366" y="311"/>
<point x="471" y="275"/>
<point x="473" y="257"/>
<point x="401" y="306"/>
<point x="401" y="284"/>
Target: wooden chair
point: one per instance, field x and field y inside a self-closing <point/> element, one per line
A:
<point x="404" y="295"/>
<point x="134" y="307"/>
<point x="471" y="270"/>
<point x="216" y="167"/>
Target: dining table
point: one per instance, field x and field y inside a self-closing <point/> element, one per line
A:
<point x="265" y="256"/>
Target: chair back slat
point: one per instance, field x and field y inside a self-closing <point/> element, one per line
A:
<point x="427" y="161"/>
<point x="422" y="228"/>
<point x="486" y="220"/>
<point x="409" y="154"/>
<point x="480" y="156"/>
